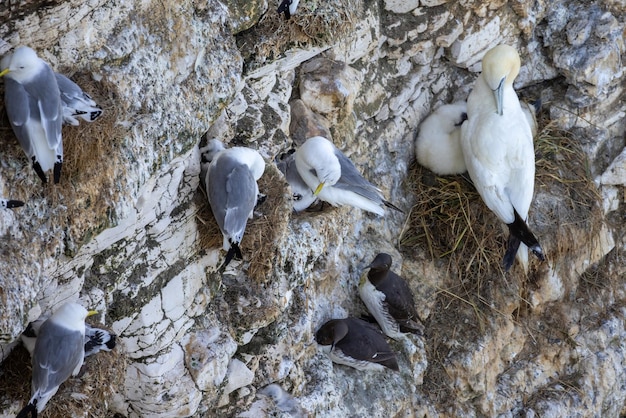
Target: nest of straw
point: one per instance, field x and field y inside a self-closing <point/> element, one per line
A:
<point x="314" y="24"/>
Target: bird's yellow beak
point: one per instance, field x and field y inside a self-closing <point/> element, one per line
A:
<point x="319" y="189"/>
<point x="4" y="72"/>
<point x="90" y="313"/>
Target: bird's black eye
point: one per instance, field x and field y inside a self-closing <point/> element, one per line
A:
<point x="297" y="197"/>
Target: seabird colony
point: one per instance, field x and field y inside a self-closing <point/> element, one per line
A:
<point x="496" y="143"/>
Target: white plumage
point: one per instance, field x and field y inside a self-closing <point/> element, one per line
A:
<point x="438" y="143"/>
<point x="333" y="178"/>
<point x="498" y="149"/>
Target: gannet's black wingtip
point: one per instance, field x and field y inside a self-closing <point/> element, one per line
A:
<point x="511" y="250"/>
<point x="284" y="8"/>
<point x="519" y="229"/>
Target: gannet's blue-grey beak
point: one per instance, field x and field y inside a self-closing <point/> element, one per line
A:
<point x="499" y="93"/>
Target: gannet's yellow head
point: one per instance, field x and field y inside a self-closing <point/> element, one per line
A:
<point x="501" y="65"/>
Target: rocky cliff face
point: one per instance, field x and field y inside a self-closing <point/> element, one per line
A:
<point x="129" y="231"/>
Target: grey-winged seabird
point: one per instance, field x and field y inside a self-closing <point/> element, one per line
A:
<point x="333" y="178"/>
<point x="96" y="339"/>
<point x="76" y="103"/>
<point x="356" y="343"/>
<point x="231" y="185"/>
<point x="58" y="354"/>
<point x="33" y="104"/>
<point x="389" y="299"/>
<point x="302" y="195"/>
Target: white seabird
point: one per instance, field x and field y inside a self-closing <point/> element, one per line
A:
<point x="33" y="103"/>
<point x="96" y="339"/>
<point x="231" y="186"/>
<point x="334" y="179"/>
<point x="302" y="195"/>
<point x="10" y="204"/>
<point x="498" y="147"/>
<point x="58" y="354"/>
<point x="389" y="299"/>
<point x="288" y="7"/>
<point x="438" y="143"/>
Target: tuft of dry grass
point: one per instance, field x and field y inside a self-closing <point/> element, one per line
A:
<point x="314" y="24"/>
<point x="451" y="221"/>
<point x="93" y="162"/>
<point x="260" y="242"/>
<point x="563" y="172"/>
<point x="85" y="395"/>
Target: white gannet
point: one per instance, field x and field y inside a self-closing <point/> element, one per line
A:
<point x="33" y="103"/>
<point x="389" y="299"/>
<point x="356" y="343"/>
<point x="334" y="179"/>
<point x="231" y="186"/>
<point x="438" y="143"/>
<point x="498" y="147"/>
<point x="58" y="354"/>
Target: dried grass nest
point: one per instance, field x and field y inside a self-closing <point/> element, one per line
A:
<point x="314" y="24"/>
